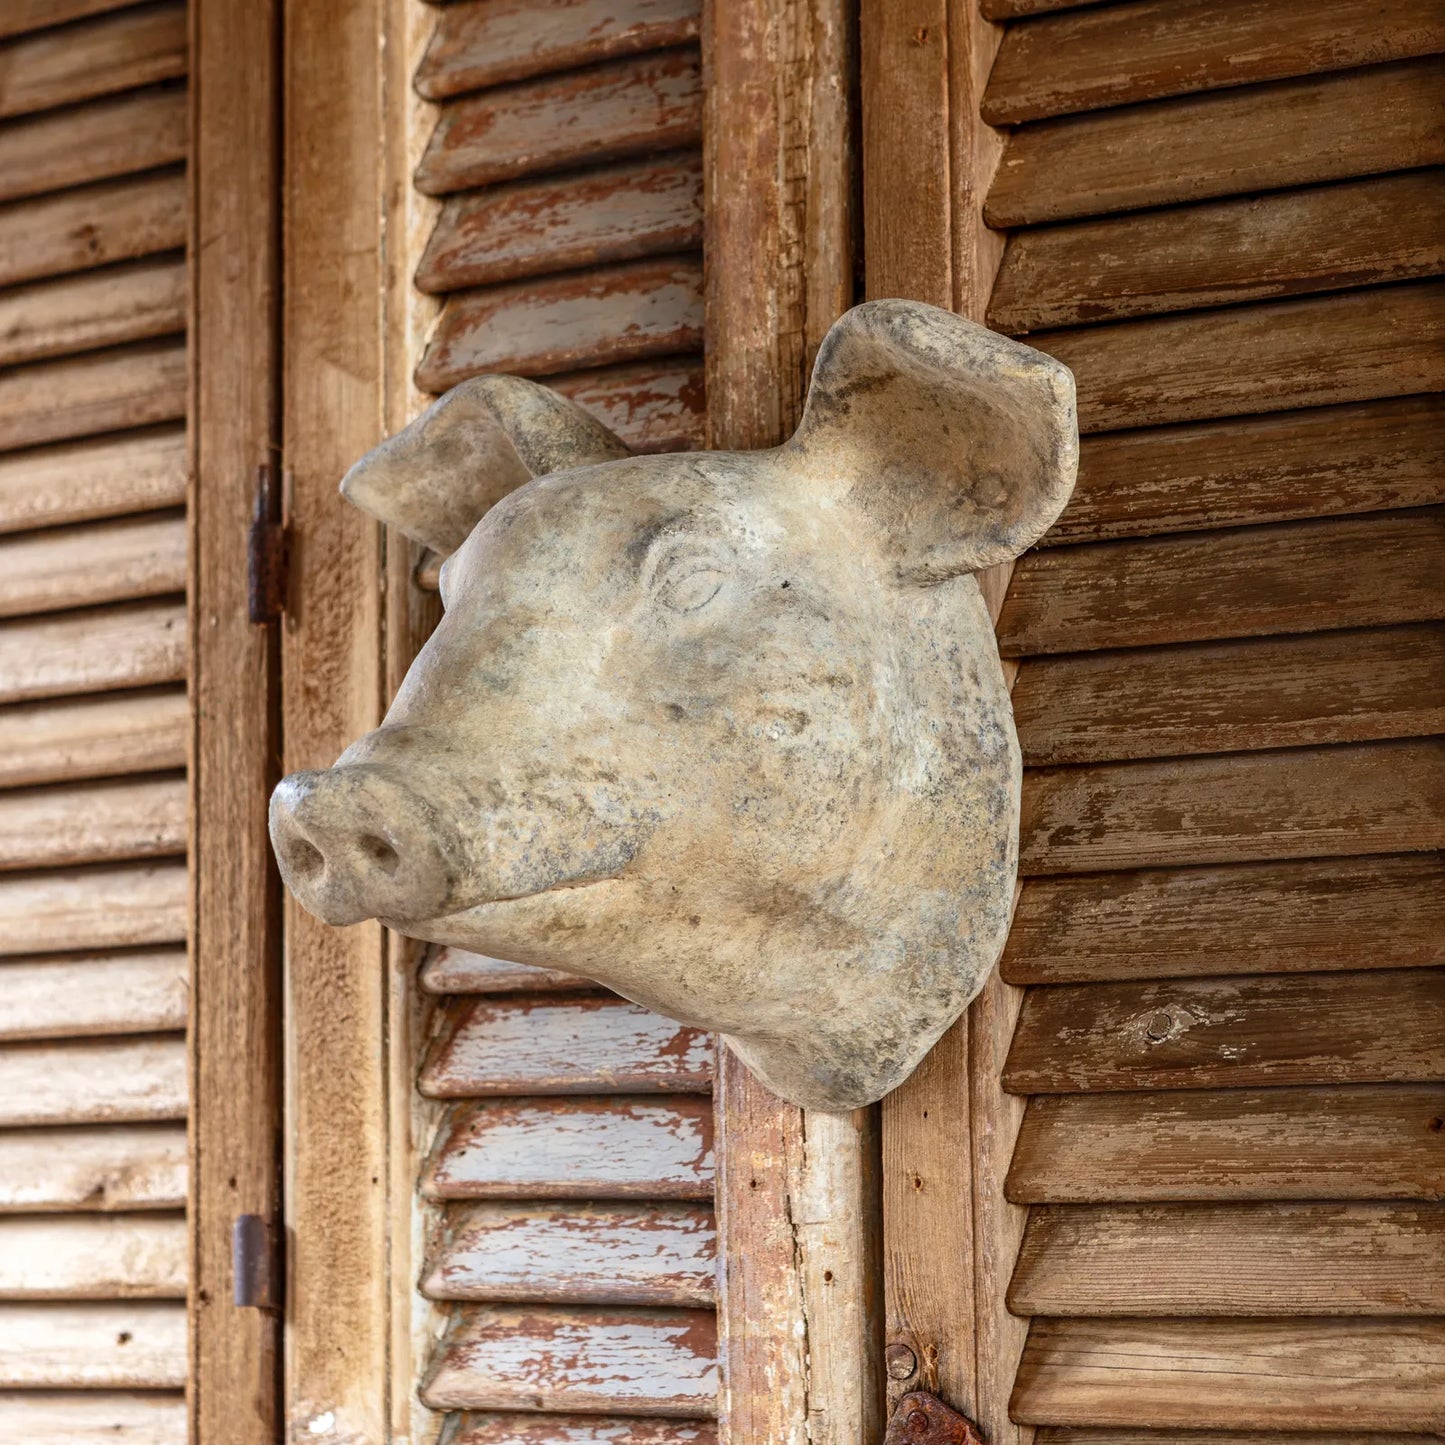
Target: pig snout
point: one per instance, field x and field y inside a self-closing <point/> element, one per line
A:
<point x="355" y="842"/>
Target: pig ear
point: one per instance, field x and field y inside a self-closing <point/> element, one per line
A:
<point x="959" y="444"/>
<point x="437" y="477"/>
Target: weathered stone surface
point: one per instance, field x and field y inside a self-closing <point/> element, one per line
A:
<point x="725" y="731"/>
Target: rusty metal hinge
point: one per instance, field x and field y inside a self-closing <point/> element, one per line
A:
<point x="257" y="1268"/>
<point x="923" y="1419"/>
<point x="268" y="550"/>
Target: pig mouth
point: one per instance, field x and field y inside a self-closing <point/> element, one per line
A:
<point x="486" y="909"/>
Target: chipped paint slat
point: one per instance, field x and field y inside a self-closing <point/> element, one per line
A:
<point x="63" y="1417"/>
<point x="77" y="1169"/>
<point x="132" y="1346"/>
<point x="95" y="1256"/>
<point x="510" y="1429"/>
<point x="454" y="970"/>
<point x="93" y="1082"/>
<point x="93" y="908"/>
<point x="117" y="993"/>
<point x="653" y="406"/>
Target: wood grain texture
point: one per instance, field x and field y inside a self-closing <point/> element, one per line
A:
<point x="132" y="302"/>
<point x="138" y="645"/>
<point x="1218" y="253"/>
<point x="1319" y="351"/>
<point x="153" y="1417"/>
<point x="1376" y="1141"/>
<point x="137" y="46"/>
<point x="83" y="481"/>
<point x="574" y="1148"/>
<point x="54" y="742"/>
<point x="1121" y="54"/>
<point x="572" y="1045"/>
<point x="1263" y="917"/>
<point x="1235" y="1259"/>
<point x="93" y="908"/>
<point x="652" y="406"/>
<point x="642" y="1254"/>
<point x="1196" y="587"/>
<point x="115" y="993"/>
<point x="516" y="1429"/>
<point x="93" y="1081"/>
<point x="1288" y="1374"/>
<point x="1260" y="138"/>
<point x="481" y="42"/>
<point x="101" y="822"/>
<point x="602" y="316"/>
<point x="1015" y="9"/>
<point x="1374" y="1026"/>
<point x="97" y="1257"/>
<point x="132" y="1346"/>
<point x="1357" y="458"/>
<point x="137" y="132"/>
<point x="24" y="15"/>
<point x="603" y="113"/>
<point x="660" y="1362"/>
<point x="97" y="225"/>
<point x="101" y="391"/>
<point x="109" y="1168"/>
<point x="449" y="970"/>
<point x="1244" y="807"/>
<point x="82" y="566"/>
<point x="1327" y="687"/>
<point x="562" y="223"/>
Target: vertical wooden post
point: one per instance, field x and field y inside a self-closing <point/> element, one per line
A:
<point x="796" y="1190"/>
<point x="235" y="1018"/>
<point x="337" y="1372"/>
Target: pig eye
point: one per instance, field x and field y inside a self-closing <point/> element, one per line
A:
<point x="687" y="578"/>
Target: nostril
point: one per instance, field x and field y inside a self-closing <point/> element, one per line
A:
<point x="305" y="858"/>
<point x="381" y="853"/>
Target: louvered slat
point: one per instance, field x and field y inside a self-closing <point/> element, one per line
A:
<point x="1375" y="1026"/>
<point x="110" y="1168"/>
<point x="454" y="970"/>
<point x="89" y="1081"/>
<point x="511" y="1429"/>
<point x="1374" y="1141"/>
<point x="585" y="117"/>
<point x="53" y="742"/>
<point x="1236" y="1259"/>
<point x="1124" y="1435"/>
<point x="97" y="1256"/>
<point x="117" y="993"/>
<point x="92" y="823"/>
<point x="645" y="1254"/>
<point x="587" y="1045"/>
<point x="20" y="16"/>
<point x="93" y="908"/>
<point x="132" y="1346"/>
<point x="574" y="1148"/>
<point x="1270" y="692"/>
<point x="1120" y="54"/>
<point x="652" y="406"/>
<point x="1258" y="138"/>
<point x="84" y="1417"/>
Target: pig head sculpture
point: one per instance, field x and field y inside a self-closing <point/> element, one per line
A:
<point x="725" y="731"/>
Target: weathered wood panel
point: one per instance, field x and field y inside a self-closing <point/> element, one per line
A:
<point x="111" y="647"/>
<point x="135" y="301"/>
<point x="646" y="1254"/>
<point x="1375" y="1026"/>
<point x="652" y="406"/>
<point x="529" y="228"/>
<point x="1376" y="1141"/>
<point x="1260" y="138"/>
<point x="1367" y="457"/>
<point x="549" y="1045"/>
<point x="139" y="46"/>
<point x="660" y="1362"/>
<point x="109" y="1169"/>
<point x="138" y="132"/>
<point x="1326" y="687"/>
<point x="82" y="566"/>
<point x="574" y="1148"/>
<point x="78" y="396"/>
<point x="1319" y="351"/>
<point x="121" y="1081"/>
<point x="137" y="1256"/>
<point x="92" y="823"/>
<point x="454" y="970"/>
<point x="1255" y="918"/>
<point x="93" y="226"/>
<point x="1200" y="586"/>
<point x="1236" y="1259"/>
<point x="488" y="42"/>
<point x="1122" y="54"/>
<point x="119" y="993"/>
<point x="1254" y="248"/>
<point x="82" y="481"/>
<point x="134" y="1346"/>
<point x="1244" y="807"/>
<point x="601" y="317"/>
<point x="86" y="1417"/>
<point x="93" y="908"/>
<point x="1197" y="1374"/>
<point x="53" y="742"/>
<point x="585" y="117"/>
<point x="510" y="1429"/>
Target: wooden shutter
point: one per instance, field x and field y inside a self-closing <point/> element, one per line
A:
<point x="93" y="721"/>
<point x="1224" y="218"/>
